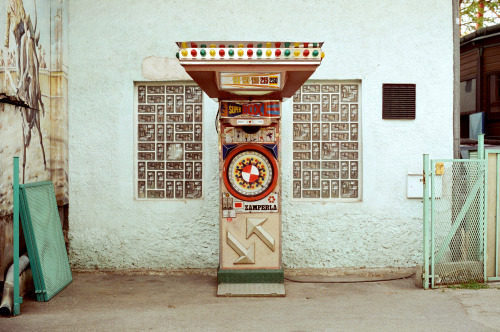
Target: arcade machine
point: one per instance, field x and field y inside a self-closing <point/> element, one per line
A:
<point x="250" y="80"/>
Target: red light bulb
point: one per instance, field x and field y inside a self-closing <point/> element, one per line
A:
<point x="193" y="53"/>
<point x="249" y="52"/>
<point x="306" y="52"/>
<point x="278" y="52"/>
<point x="222" y="53"/>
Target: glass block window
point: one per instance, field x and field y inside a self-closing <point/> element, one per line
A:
<point x="168" y="140"/>
<point x="326" y="150"/>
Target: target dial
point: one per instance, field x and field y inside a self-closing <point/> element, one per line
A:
<point x="250" y="172"/>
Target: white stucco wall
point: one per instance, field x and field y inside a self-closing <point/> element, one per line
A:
<point x="372" y="41"/>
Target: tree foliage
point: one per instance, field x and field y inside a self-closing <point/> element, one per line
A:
<point x="475" y="14"/>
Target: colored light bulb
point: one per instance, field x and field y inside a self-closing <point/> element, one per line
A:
<point x="306" y="52"/>
<point x="250" y="45"/>
<point x="296" y="53"/>
<point x="269" y="45"/>
<point x="177" y="55"/>
<point x="222" y="53"/>
<point x="259" y="52"/>
<point x="230" y="46"/>
<point x="297" y="45"/>
<point x="184" y="53"/>
<point x="184" y="45"/>
<point x="249" y="53"/>
<point x="193" y="53"/>
<point x="193" y="45"/>
<point x="222" y="46"/>
<point x="259" y="45"/>
<point x="287" y="44"/>
<point x="277" y="45"/>
<point x="322" y="55"/>
<point x="203" y="52"/>
<point x="306" y="45"/>
<point x="269" y="52"/>
<point x="277" y="53"/>
<point x="287" y="52"/>
<point x="203" y="46"/>
<point x="212" y="52"/>
<point x="240" y="52"/>
<point x="241" y="45"/>
<point x="315" y="53"/>
<point x="213" y="46"/>
<point x="231" y="52"/>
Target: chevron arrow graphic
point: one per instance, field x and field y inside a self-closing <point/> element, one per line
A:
<point x="254" y="226"/>
<point x="247" y="256"/>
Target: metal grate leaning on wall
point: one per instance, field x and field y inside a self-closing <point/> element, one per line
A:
<point x="326" y="151"/>
<point x="168" y="141"/>
<point x="44" y="239"/>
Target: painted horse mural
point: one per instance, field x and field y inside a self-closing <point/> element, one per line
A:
<point x="28" y="94"/>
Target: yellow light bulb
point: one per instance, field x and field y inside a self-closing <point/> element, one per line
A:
<point x="297" y="44"/>
<point x="240" y="52"/>
<point x="269" y="52"/>
<point x="269" y="45"/>
<point x="184" y="45"/>
<point x="322" y="55"/>
<point x="212" y="52"/>
<point x="184" y="52"/>
<point x="296" y="53"/>
<point x="213" y="46"/>
<point x="241" y="45"/>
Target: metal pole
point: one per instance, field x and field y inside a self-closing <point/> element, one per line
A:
<point x="483" y="174"/>
<point x="15" y="252"/>
<point x="480" y="146"/>
<point x="497" y="199"/>
<point x="432" y="224"/>
<point x="425" y="267"/>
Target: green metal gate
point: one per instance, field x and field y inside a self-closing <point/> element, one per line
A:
<point x="454" y="221"/>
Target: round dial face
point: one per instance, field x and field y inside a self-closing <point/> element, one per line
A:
<point x="250" y="174"/>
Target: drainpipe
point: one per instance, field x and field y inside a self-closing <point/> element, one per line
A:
<point x="8" y="286"/>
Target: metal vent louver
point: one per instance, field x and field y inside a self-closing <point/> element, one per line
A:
<point x="44" y="239"/>
<point x="398" y="101"/>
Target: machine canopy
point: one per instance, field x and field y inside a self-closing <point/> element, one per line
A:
<point x="255" y="70"/>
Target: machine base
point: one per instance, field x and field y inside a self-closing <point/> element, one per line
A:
<point x="261" y="276"/>
<point x="251" y="289"/>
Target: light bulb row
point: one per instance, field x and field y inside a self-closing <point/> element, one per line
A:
<point x="251" y="45"/>
<point x="250" y="53"/>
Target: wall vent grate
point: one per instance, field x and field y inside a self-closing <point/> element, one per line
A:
<point x="398" y="101"/>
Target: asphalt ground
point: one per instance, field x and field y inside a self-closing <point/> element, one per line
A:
<point x="186" y="300"/>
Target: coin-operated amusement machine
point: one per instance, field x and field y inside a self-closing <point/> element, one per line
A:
<point x="250" y="80"/>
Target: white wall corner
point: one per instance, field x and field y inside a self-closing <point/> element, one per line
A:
<point x="163" y="69"/>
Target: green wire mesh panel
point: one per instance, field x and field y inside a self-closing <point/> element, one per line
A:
<point x="46" y="247"/>
<point x="457" y="221"/>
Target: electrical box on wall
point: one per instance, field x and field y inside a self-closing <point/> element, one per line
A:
<point x="415" y="186"/>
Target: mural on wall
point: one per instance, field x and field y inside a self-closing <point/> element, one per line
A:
<point x="23" y="51"/>
<point x="33" y="102"/>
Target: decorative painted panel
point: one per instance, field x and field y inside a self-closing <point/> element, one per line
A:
<point x="326" y="151"/>
<point x="169" y="141"/>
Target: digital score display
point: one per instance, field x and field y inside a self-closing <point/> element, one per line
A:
<point x="250" y="81"/>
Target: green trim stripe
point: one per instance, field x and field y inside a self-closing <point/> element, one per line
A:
<point x="250" y="276"/>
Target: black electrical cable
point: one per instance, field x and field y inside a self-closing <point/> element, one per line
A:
<point x="347" y="282"/>
<point x="217" y="120"/>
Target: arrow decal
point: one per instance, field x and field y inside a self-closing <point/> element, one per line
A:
<point x="254" y="226"/>
<point x="247" y="256"/>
